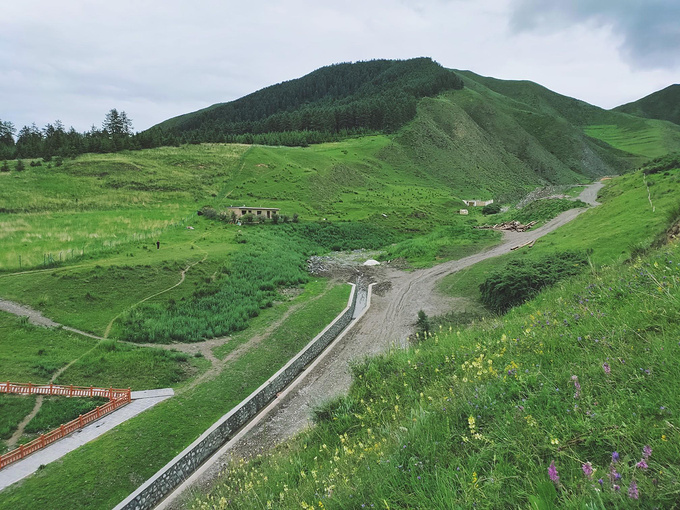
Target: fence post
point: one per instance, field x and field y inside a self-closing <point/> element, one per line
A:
<point x="42" y="440"/>
<point x="70" y="391"/>
<point x="91" y="388"/>
<point x="30" y="388"/>
<point x="110" y="392"/>
<point x="61" y="429"/>
<point x="21" y="451"/>
<point x="50" y="388"/>
<point x="80" y="421"/>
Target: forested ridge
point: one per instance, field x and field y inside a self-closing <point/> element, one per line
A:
<point x="337" y="100"/>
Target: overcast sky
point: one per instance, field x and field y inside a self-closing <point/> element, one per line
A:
<point x="74" y="60"/>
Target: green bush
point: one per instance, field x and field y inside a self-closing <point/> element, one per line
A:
<point x="520" y="280"/>
<point x="491" y="209"/>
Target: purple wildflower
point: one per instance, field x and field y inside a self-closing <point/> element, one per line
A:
<point x="642" y="464"/>
<point x="607" y="369"/>
<point x="613" y="475"/>
<point x="587" y="469"/>
<point x="633" y="490"/>
<point x="552" y="473"/>
<point x="615" y="456"/>
<point x="577" y="385"/>
<point x="601" y="482"/>
<point x="617" y="488"/>
<point x="647" y="452"/>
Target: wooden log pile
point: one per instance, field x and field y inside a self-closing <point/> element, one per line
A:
<point x="514" y="226"/>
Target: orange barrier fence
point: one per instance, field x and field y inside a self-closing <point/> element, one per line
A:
<point x="117" y="398"/>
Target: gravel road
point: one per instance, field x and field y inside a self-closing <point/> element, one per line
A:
<point x="386" y="325"/>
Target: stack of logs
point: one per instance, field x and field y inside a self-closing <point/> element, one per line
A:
<point x="514" y="226"/>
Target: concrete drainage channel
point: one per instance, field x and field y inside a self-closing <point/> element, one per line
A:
<point x="180" y="469"/>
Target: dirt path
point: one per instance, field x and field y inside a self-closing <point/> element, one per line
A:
<point x="386" y="325"/>
<point x="183" y="275"/>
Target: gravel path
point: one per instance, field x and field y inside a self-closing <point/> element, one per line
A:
<point x="386" y="325"/>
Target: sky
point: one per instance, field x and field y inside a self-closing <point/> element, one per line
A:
<point x="74" y="60"/>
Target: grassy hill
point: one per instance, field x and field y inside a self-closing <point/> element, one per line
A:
<point x="663" y="104"/>
<point x="378" y="95"/>
<point x="489" y="136"/>
<point x="594" y="137"/>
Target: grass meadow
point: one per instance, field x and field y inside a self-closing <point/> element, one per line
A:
<point x="13" y="410"/>
<point x="34" y="354"/>
<point x="128" y="455"/>
<point x="650" y="141"/>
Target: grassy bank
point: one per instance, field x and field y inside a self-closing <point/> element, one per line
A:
<point x="476" y="417"/>
<point x="625" y="223"/>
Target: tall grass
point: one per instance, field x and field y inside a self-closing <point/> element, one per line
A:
<point x="248" y="282"/>
<point x="57" y="410"/>
<point x="441" y="244"/>
<point x="13" y="409"/>
<point x="119" y="365"/>
<point x="542" y="210"/>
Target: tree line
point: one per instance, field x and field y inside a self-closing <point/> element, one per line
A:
<point x="54" y="140"/>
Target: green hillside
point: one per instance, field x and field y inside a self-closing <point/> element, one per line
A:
<point x="379" y="95"/>
<point x="597" y="136"/>
<point x="663" y="105"/>
<point x="490" y="136"/>
<point x="567" y="401"/>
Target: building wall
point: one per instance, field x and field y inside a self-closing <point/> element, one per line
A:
<point x="477" y="203"/>
<point x="255" y="211"/>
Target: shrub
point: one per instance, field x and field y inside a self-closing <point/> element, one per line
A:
<point x="209" y="212"/>
<point x="491" y="209"/>
<point x="423" y="323"/>
<point x="520" y="280"/>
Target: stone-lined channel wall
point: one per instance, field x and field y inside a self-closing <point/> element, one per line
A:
<point x="183" y="465"/>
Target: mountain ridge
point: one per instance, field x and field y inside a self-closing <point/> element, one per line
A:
<point x="663" y="104"/>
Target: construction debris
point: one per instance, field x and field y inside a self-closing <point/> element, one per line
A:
<point x="530" y="244"/>
<point x="514" y="226"/>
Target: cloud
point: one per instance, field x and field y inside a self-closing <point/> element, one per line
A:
<point x="649" y="29"/>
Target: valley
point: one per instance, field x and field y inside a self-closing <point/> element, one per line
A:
<point x="132" y="273"/>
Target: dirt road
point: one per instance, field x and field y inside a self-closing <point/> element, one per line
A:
<point x="386" y="325"/>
